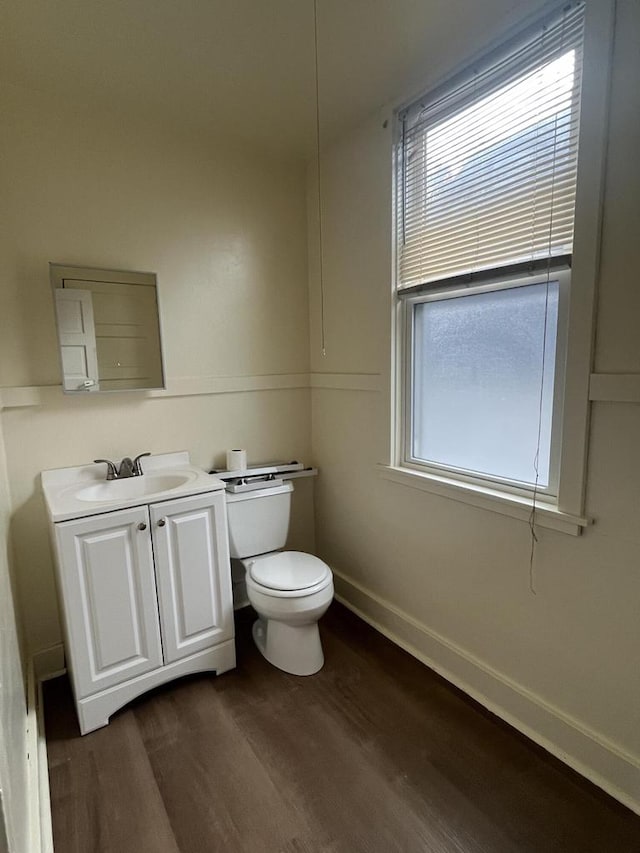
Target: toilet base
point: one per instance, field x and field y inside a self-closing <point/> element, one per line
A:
<point x="295" y="649"/>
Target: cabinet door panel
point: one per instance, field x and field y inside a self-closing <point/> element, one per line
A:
<point x="109" y="595"/>
<point x="193" y="573"/>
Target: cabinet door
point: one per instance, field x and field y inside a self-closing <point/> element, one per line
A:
<point x="109" y="597"/>
<point x="193" y="573"/>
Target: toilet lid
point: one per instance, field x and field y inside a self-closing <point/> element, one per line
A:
<point x="288" y="570"/>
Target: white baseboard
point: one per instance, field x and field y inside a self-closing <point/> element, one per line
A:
<point x="40" y="831"/>
<point x="48" y="663"/>
<point x="592" y="755"/>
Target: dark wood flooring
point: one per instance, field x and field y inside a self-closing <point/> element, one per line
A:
<point x="373" y="754"/>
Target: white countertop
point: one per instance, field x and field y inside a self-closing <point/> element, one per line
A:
<point x="61" y="486"/>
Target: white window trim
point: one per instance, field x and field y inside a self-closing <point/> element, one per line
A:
<point x="566" y="512"/>
<point x="516" y="506"/>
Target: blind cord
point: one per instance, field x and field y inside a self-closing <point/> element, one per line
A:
<point x="319" y="180"/>
<point x="536" y="458"/>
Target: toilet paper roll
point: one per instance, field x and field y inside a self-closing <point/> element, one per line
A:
<point x="236" y="460"/>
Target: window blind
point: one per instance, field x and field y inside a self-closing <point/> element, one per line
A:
<point x="487" y="167"/>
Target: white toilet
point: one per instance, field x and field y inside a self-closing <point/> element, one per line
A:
<point x="289" y="590"/>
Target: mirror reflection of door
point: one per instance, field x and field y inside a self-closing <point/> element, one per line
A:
<point x="108" y="329"/>
<point x="77" y="335"/>
<point x="127" y="339"/>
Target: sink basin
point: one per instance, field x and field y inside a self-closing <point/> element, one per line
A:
<point x="134" y="487"/>
<point x="83" y="490"/>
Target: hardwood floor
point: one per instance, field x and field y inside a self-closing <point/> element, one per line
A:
<point x="374" y="754"/>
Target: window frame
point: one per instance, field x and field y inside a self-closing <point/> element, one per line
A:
<point x="564" y="512"/>
<point x="459" y="291"/>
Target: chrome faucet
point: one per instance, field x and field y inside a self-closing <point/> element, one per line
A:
<point x="128" y="467"/>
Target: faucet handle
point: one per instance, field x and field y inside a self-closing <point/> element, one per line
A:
<point x="137" y="467"/>
<point x="112" y="471"/>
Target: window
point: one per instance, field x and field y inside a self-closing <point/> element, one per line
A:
<point x="485" y="198"/>
<point x="486" y="367"/>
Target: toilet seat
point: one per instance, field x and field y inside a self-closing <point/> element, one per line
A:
<point x="286" y="574"/>
<point x="288" y="570"/>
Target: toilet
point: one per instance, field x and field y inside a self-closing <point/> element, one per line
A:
<point x="289" y="590"/>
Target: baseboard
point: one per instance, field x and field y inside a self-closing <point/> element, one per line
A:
<point x="593" y="756"/>
<point x="40" y="831"/>
<point x="48" y="663"/>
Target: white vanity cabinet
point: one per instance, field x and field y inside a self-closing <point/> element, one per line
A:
<point x="146" y="597"/>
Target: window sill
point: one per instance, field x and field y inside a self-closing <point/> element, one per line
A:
<point x="515" y="506"/>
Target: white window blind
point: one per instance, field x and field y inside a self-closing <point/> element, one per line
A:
<point x="487" y="168"/>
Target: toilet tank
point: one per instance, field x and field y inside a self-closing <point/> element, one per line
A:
<point x="258" y="521"/>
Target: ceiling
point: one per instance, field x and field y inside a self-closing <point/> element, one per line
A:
<point x="243" y="69"/>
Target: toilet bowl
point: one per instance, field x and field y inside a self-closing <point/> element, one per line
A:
<point x="289" y="590"/>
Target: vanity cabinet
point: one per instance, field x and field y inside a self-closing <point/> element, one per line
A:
<point x="146" y="596"/>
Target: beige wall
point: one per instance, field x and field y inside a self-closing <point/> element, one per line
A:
<point x="460" y="574"/>
<point x="13" y="711"/>
<point x="225" y="231"/>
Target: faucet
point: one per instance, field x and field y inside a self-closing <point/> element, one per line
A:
<point x="128" y="467"/>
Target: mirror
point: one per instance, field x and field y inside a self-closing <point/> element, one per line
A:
<point x="108" y="329"/>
